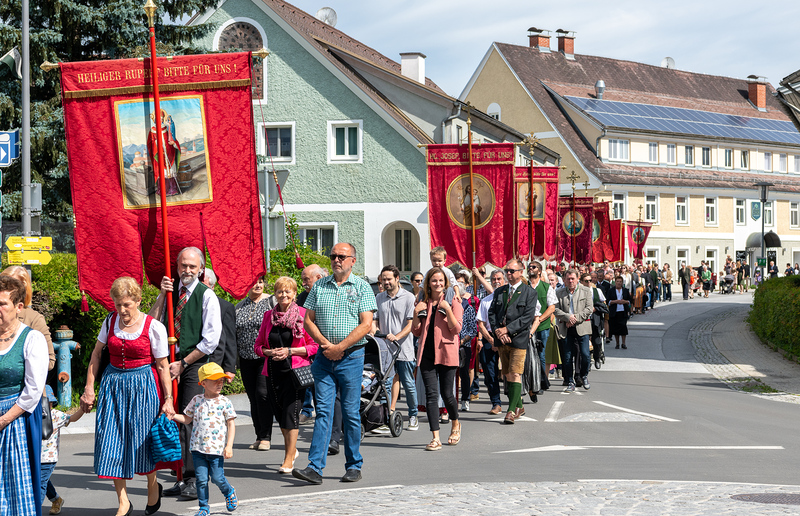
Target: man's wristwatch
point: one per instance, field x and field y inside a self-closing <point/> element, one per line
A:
<point x="183" y="363"/>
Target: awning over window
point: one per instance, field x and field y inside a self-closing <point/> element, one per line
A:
<point x="771" y="239"/>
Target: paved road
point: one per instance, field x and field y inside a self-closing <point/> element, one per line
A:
<point x="666" y="429"/>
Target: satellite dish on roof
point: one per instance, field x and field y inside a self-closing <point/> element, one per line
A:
<point x="327" y="15"/>
<point x="668" y="62"/>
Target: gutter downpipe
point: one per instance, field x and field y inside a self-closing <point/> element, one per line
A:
<point x="444" y="122"/>
<point x="597" y="142"/>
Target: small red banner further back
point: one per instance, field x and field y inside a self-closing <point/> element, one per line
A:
<point x="212" y="192"/>
<point x="538" y="206"/>
<point x="453" y="206"/>
<point x="637" y="237"/>
<point x="575" y="220"/>
<point x="602" y="248"/>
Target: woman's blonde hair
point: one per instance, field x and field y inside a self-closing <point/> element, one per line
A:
<point x="21" y="273"/>
<point x="126" y="286"/>
<point x="285" y="282"/>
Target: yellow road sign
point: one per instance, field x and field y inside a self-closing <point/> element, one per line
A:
<point x="18" y="243"/>
<point x="28" y="257"/>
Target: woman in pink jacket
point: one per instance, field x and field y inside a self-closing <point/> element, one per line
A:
<point x="286" y="345"/>
<point x="438" y="332"/>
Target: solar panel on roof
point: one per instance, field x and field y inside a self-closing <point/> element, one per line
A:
<point x="631" y="115"/>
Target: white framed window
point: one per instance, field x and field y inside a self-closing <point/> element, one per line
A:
<point x="246" y="34"/>
<point x="651" y="255"/>
<point x="796" y="164"/>
<point x="782" y="162"/>
<point x="794" y="215"/>
<point x="618" y="206"/>
<point x="682" y="258"/>
<point x="319" y="236"/>
<point x="769" y="219"/>
<point x="652" y="155"/>
<point x="459" y="134"/>
<point x="651" y="208"/>
<point x="403" y="247"/>
<point x="276" y="140"/>
<point x="745" y="160"/>
<point x="681" y="210"/>
<point x="711" y="259"/>
<point x="706" y="157"/>
<point x="740" y="212"/>
<point x="689" y="155"/>
<point x="671" y="157"/>
<point x="493" y="111"/>
<point x="711" y="211"/>
<point x="345" y="141"/>
<point x="618" y="150"/>
<point x="728" y="158"/>
<point x="768" y="162"/>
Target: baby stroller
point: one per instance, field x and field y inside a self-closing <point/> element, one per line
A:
<point x="379" y="358"/>
<point x="728" y="282"/>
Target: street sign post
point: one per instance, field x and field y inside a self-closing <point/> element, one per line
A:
<point x="29" y="257"/>
<point x="21" y="243"/>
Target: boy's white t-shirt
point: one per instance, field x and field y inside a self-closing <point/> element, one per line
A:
<point x="209" y="417"/>
<point x="50" y="446"/>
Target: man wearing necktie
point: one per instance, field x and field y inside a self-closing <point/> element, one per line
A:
<point x="198" y="327"/>
<point x="511" y="317"/>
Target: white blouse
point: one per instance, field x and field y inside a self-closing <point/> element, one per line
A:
<point x="37" y="359"/>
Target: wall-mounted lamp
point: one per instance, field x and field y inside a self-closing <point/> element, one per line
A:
<point x="726" y="249"/>
<point x="668" y="248"/>
<point x="697" y="250"/>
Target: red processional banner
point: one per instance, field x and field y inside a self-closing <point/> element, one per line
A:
<point x="575" y="218"/>
<point x="637" y="237"/>
<point x="617" y="240"/>
<point x="601" y="233"/>
<point x="454" y="205"/>
<point x="211" y="185"/>
<point x="536" y="206"/>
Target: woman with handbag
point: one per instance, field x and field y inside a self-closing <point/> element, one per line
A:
<point x="129" y="400"/>
<point x="23" y="371"/>
<point x="286" y="346"/>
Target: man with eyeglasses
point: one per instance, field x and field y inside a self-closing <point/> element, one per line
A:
<point x="546" y="296"/>
<point x="512" y="318"/>
<point x="339" y="314"/>
<point x="573" y="310"/>
<point x="488" y="353"/>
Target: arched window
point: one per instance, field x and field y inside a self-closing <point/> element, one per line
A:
<point x="494" y="110"/>
<point x="247" y="37"/>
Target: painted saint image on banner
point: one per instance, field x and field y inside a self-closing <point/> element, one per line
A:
<point x="595" y="230"/>
<point x="573" y="227"/>
<point x="465" y="205"/>
<point x="186" y="173"/>
<point x="524" y="201"/>
<point x="638" y="235"/>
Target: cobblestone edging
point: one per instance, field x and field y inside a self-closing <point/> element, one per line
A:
<point x="612" y="497"/>
<point x="702" y="338"/>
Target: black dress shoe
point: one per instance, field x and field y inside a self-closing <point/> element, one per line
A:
<point x="189" y="491"/>
<point x="333" y="448"/>
<point x="152" y="509"/>
<point x="352" y="475"/>
<point x="308" y="474"/>
<point x="175" y="490"/>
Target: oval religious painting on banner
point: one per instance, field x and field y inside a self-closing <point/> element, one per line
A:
<point x="638" y="236"/>
<point x="595" y="230"/>
<point x="464" y="205"/>
<point x="573" y="227"/>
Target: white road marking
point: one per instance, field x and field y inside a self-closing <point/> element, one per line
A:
<point x="642" y="323"/>
<point x="304" y="495"/>
<point x="662" y="418"/>
<point x="552" y="416"/>
<point x="560" y="447"/>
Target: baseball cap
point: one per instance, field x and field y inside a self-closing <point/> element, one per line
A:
<point x="50" y="395"/>
<point x="210" y="371"/>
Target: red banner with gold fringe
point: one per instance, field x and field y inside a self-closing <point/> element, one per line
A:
<point x="575" y="217"/>
<point x="212" y="191"/>
<point x="536" y="210"/>
<point x="601" y="233"/>
<point x="617" y="240"/>
<point x="637" y="237"/>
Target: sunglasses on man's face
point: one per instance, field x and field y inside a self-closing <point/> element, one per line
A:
<point x="512" y="271"/>
<point x="342" y="257"/>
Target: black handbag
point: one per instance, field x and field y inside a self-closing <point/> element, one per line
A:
<point x="302" y="377"/>
<point x="47" y="419"/>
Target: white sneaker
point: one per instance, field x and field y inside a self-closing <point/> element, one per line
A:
<point x="413" y="424"/>
<point x="381" y="430"/>
<point x="465" y="406"/>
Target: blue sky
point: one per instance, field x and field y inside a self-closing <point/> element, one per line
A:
<point x="731" y="38"/>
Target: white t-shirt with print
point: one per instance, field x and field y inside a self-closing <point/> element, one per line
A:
<point x="50" y="446"/>
<point x="209" y="416"/>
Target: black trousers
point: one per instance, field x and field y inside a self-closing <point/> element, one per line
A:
<point x="685" y="291"/>
<point x="436" y="377"/>
<point x="255" y="385"/>
<point x="188" y="388"/>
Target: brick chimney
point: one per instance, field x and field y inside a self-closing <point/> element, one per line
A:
<point x="539" y="39"/>
<point x="757" y="91"/>
<point x="566" y="43"/>
<point x="412" y="65"/>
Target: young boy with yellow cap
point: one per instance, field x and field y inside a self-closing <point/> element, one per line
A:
<point x="212" y="415"/>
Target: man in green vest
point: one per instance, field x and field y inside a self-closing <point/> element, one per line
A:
<point x="198" y="327"/>
<point x="546" y="295"/>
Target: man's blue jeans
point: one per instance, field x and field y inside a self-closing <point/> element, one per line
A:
<point x="405" y="372"/>
<point x="568" y="347"/>
<point x="212" y="466"/>
<point x="329" y="375"/>
<point x="491" y="373"/>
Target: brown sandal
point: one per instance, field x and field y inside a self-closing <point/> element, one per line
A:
<point x="455" y="435"/>
<point x="434" y="445"/>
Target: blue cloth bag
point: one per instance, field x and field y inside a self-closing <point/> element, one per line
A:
<point x="165" y="442"/>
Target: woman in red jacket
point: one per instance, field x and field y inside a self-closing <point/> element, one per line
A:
<point x="286" y="345"/>
<point x="437" y="324"/>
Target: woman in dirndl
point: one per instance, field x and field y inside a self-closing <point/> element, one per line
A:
<point x="129" y="399"/>
<point x="23" y="371"/>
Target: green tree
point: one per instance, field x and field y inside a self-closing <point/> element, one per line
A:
<point x="71" y="31"/>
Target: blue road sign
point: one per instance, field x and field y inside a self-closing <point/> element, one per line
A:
<point x="14" y="143"/>
<point x="5" y="149"/>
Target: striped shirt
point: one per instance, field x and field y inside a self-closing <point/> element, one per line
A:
<point x="337" y="308"/>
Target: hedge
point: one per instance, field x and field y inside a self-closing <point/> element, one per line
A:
<point x="773" y="317"/>
<point x="57" y="298"/>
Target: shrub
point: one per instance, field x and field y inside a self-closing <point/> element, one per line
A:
<point x="773" y="318"/>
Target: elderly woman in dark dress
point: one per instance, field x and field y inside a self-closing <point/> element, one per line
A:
<point x="129" y="401"/>
<point x="23" y="371"/>
<point x="285" y="345"/>
<point x="249" y="314"/>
